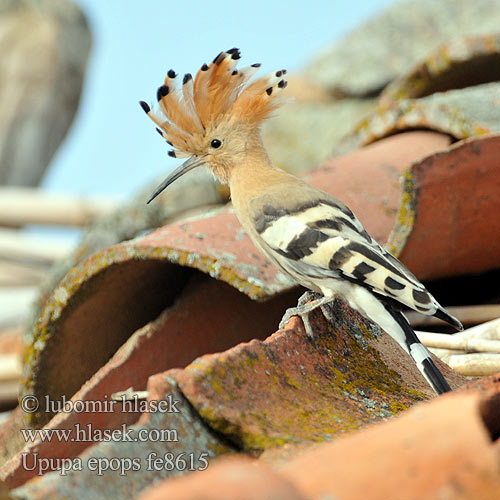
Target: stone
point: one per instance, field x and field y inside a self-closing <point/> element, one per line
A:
<point x="44" y="48"/>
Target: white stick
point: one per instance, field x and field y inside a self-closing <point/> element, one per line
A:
<point x="10" y="367"/>
<point x="9" y="392"/>
<point x="489" y="330"/>
<point x="19" y="206"/>
<point x="13" y="274"/>
<point x="460" y="343"/>
<point x="475" y="365"/>
<point x="17" y="245"/>
<point x="443" y="354"/>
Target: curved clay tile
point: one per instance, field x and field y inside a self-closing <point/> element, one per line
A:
<point x="446" y="223"/>
<point x="389" y="44"/>
<point x="457" y="64"/>
<point x="462" y="114"/>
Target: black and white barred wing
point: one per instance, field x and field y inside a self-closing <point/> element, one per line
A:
<point x="326" y="240"/>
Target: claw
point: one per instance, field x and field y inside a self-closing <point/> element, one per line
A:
<point x="292" y="311"/>
<point x="327" y="312"/>
<point x="307" y="324"/>
<point x="303" y="315"/>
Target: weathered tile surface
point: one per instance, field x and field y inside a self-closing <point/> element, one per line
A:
<point x="128" y="467"/>
<point x="437" y="450"/>
<point x="289" y="389"/>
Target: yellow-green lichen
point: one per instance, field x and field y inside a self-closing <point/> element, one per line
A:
<point x="405" y="219"/>
<point x="288" y="402"/>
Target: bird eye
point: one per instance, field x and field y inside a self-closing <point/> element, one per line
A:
<point x="216" y="143"/>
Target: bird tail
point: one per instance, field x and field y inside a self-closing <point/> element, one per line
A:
<point x="420" y="354"/>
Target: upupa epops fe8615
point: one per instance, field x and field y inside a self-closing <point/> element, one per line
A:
<point x="214" y="119"/>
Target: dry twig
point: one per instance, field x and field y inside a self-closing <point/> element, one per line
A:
<point x="20" y="206"/>
<point x="455" y="342"/>
<point x="475" y="365"/>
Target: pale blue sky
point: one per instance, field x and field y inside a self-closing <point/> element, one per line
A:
<point x="112" y="148"/>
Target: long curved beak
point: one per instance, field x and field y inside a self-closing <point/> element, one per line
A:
<point x="193" y="162"/>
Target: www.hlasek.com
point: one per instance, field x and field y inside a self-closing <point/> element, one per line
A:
<point x="87" y="434"/>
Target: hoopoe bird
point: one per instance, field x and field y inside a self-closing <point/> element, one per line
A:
<point x="214" y="120"/>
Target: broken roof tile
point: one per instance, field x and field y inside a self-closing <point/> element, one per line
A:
<point x="389" y="44"/>
<point x="289" y="389"/>
<point x="440" y="449"/>
<point x="456" y="64"/>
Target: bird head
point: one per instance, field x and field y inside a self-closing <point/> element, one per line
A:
<point x="214" y="119"/>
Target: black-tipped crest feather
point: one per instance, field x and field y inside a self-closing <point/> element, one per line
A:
<point x="218" y="93"/>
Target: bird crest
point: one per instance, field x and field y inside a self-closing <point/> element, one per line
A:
<point x="219" y="94"/>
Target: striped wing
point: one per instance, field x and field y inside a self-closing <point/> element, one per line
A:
<point x="325" y="240"/>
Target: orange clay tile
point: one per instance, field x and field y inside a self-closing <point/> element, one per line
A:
<point x="289" y="389"/>
<point x="436" y="450"/>
<point x="447" y="223"/>
<point x="174" y="339"/>
<point x="228" y="479"/>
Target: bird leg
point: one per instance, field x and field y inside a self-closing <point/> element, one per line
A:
<point x="306" y="304"/>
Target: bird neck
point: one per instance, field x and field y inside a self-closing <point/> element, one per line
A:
<point x="254" y="176"/>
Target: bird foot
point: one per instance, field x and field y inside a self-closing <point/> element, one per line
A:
<point x="303" y="315"/>
<point x="306" y="303"/>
